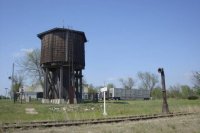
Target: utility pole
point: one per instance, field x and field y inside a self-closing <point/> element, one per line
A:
<point x="13" y="74"/>
<point x="6" y="92"/>
<point x="12" y="80"/>
<point x="165" y="108"/>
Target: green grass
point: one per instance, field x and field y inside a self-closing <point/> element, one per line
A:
<point x="10" y="112"/>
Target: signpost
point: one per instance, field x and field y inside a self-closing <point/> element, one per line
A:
<point x="104" y="99"/>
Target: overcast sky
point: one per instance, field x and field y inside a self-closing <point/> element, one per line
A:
<point x="124" y="36"/>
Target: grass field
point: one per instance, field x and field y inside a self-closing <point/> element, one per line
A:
<point x="10" y="112"/>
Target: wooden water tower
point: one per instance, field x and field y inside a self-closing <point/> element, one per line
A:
<point x="63" y="59"/>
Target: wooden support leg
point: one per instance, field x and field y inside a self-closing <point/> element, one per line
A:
<point x="81" y="86"/>
<point x="61" y="83"/>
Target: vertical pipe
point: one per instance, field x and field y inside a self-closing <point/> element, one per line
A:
<point x="165" y="108"/>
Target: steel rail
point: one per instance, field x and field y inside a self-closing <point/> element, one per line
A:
<point x="27" y="125"/>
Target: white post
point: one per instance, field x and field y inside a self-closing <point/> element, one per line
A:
<point x="104" y="98"/>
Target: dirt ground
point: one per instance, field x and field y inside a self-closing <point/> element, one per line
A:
<point x="181" y="124"/>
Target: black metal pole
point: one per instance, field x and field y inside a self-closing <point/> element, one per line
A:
<point x="165" y="108"/>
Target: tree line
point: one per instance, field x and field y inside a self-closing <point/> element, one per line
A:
<point x="29" y="67"/>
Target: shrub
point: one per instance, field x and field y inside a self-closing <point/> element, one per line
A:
<point x="156" y="93"/>
<point x="193" y="97"/>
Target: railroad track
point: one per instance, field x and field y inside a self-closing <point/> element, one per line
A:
<point x="28" y="125"/>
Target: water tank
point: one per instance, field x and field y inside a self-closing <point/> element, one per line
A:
<point x="66" y="46"/>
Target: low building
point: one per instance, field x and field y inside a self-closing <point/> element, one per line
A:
<point x="34" y="91"/>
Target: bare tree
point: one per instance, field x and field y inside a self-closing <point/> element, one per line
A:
<point x="110" y="85"/>
<point x="17" y="83"/>
<point x="148" y="80"/>
<point x="196" y="81"/>
<point x="127" y="83"/>
<point x="30" y="64"/>
<point x="174" y="91"/>
<point x="196" y="78"/>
